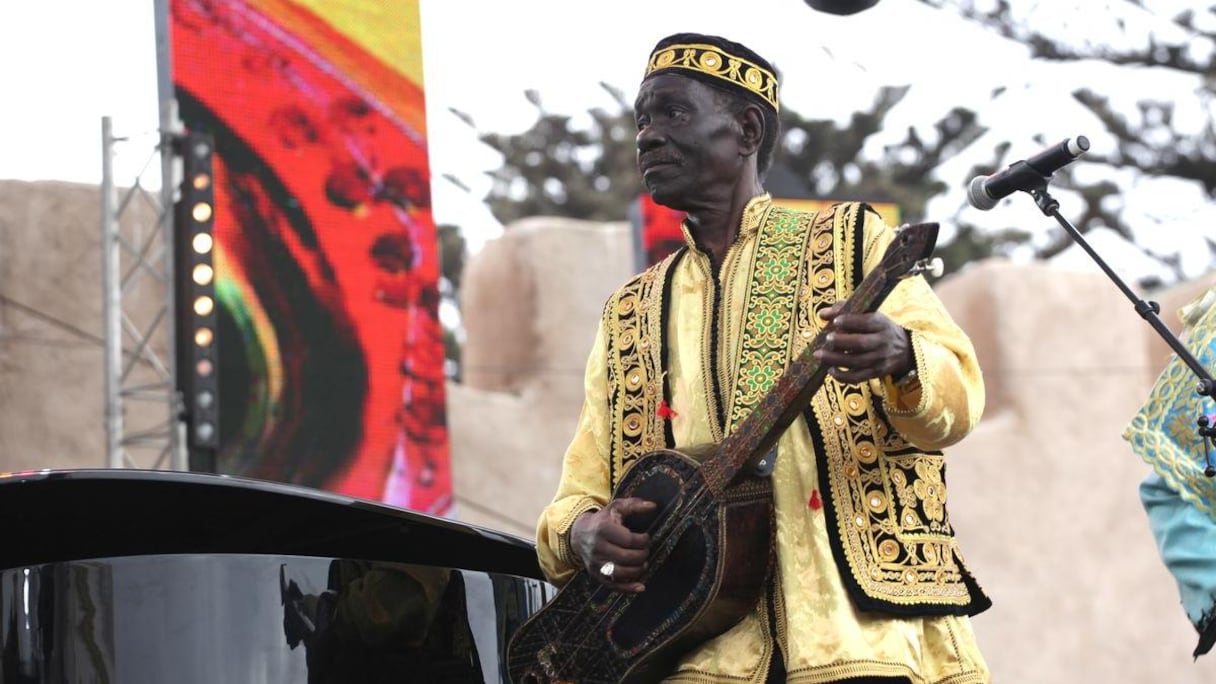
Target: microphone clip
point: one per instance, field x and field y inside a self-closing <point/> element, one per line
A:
<point x="1206" y="433"/>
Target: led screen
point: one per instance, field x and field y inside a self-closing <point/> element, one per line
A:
<point x="331" y="351"/>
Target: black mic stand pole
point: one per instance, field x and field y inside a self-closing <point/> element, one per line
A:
<point x="1148" y="311"/>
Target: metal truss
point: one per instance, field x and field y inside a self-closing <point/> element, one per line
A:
<point x="142" y="406"/>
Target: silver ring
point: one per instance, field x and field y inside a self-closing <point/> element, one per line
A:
<point x="607" y="569"/>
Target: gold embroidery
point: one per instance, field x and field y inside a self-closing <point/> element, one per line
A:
<point x="813" y="296"/>
<point x="716" y="62"/>
<point x="769" y="309"/>
<point x="889" y="499"/>
<point x="754" y="213"/>
<point x="632" y="319"/>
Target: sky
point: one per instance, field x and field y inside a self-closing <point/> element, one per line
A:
<point x="831" y="65"/>
<point x="60" y="77"/>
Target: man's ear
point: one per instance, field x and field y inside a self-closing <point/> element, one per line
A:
<point x="751" y="128"/>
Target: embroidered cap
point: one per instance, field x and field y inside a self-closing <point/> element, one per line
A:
<point x="718" y="62"/>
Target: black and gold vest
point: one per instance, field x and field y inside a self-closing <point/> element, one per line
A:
<point x="884" y="499"/>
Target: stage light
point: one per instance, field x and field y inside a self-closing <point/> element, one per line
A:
<point x="204" y="305"/>
<point x="203" y="274"/>
<point x="201" y="212"/>
<point x="202" y="243"/>
<point x="197" y="312"/>
<point x="205" y="432"/>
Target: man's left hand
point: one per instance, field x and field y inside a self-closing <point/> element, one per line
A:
<point x="862" y="346"/>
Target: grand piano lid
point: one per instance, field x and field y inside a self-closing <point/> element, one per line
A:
<point x="60" y="515"/>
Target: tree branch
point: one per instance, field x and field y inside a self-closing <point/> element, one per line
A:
<point x="1157" y="54"/>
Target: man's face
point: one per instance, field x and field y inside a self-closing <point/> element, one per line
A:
<point x="688" y="142"/>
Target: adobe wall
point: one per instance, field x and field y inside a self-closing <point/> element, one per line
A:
<point x="1044" y="493"/>
<point x="535" y="299"/>
<point x="51" y="344"/>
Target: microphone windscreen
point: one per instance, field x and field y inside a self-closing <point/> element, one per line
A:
<point x="978" y="196"/>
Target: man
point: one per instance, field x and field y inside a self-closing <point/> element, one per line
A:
<point x="868" y="583"/>
<point x="1178" y="496"/>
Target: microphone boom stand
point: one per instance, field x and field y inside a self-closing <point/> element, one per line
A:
<point x="1148" y="311"/>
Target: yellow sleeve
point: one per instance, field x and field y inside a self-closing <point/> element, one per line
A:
<point x="946" y="400"/>
<point x="584" y="483"/>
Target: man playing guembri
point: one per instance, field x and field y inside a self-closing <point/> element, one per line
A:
<point x="869" y="584"/>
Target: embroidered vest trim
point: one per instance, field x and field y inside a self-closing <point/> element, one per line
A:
<point x="884" y="498"/>
<point x="763" y="350"/>
<point x="635" y="318"/>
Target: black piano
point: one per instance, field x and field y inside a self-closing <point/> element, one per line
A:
<point x="133" y="577"/>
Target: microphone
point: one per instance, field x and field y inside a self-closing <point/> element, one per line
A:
<point x="985" y="191"/>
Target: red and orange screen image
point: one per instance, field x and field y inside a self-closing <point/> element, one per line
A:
<point x="331" y="351"/>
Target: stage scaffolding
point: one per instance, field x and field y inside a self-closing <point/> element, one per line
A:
<point x="142" y="406"/>
<point x="143" y="409"/>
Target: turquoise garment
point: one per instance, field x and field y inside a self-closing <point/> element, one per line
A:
<point x="1186" y="539"/>
<point x="1179" y="498"/>
<point x="1164" y="431"/>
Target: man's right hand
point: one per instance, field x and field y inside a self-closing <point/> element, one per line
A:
<point x="599" y="537"/>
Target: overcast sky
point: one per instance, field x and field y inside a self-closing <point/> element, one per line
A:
<point x="69" y="62"/>
<point x="831" y="66"/>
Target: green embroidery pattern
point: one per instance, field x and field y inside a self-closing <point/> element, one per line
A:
<point x="770" y="308"/>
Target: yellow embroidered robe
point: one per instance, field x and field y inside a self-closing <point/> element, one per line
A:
<point x="869" y="582"/>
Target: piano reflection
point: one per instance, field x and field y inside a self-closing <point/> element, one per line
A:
<point x="131" y="576"/>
